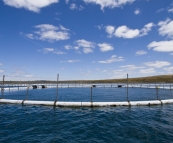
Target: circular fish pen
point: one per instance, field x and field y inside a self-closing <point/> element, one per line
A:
<point x="88" y="95"/>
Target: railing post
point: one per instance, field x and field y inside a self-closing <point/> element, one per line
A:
<point x="91" y="94"/>
<point x="2" y="88"/>
<point x="57" y="88"/>
<point x="3" y="82"/>
<point x="127" y="88"/>
<point x="27" y="90"/>
<point x="157" y="88"/>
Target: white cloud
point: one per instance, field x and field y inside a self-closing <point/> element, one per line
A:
<point x="146" y="29"/>
<point x="66" y="1"/>
<point x="131" y="67"/>
<point x="32" y="5"/>
<point x="81" y="7"/>
<point x="147" y="71"/>
<point x="1" y="71"/>
<point x="160" y="10"/>
<point x="76" y="47"/>
<point x="30" y="36"/>
<point x="28" y="75"/>
<point x="86" y="45"/>
<point x="68" y="47"/>
<point x="52" y="50"/>
<point x="73" y="6"/>
<point x="126" y="32"/>
<point x="49" y="49"/>
<point x="170" y="10"/>
<point x="99" y="26"/>
<point x="1" y="64"/>
<point x="50" y="33"/>
<point x="63" y="28"/>
<point x="166" y="28"/>
<point x="119" y="74"/>
<point x="104" y="47"/>
<point x="110" y="30"/>
<point x="161" y="46"/>
<point x="18" y="72"/>
<point x="113" y="59"/>
<point x="70" y="61"/>
<point x="170" y="69"/>
<point x="109" y="3"/>
<point x="141" y="52"/>
<point x="157" y="64"/>
<point x="137" y="11"/>
<point x="59" y="52"/>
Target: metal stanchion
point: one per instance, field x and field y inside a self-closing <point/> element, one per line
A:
<point x="57" y="88"/>
<point x="127" y="89"/>
<point x="91" y="99"/>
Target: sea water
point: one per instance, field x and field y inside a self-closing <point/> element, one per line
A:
<point x="107" y="124"/>
<point x="83" y="94"/>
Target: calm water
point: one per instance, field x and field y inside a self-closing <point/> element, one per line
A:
<point x="83" y="94"/>
<point x="119" y="124"/>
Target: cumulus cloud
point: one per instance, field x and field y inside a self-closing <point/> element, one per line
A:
<point x="126" y="32"/>
<point x="70" y="61"/>
<point x="137" y="11"/>
<point x="30" y="36"/>
<point x="49" y="49"/>
<point x="141" y="52"/>
<point x="86" y="45"/>
<point x="170" y="10"/>
<point x="146" y="29"/>
<point x="110" y="30"/>
<point x="68" y="47"/>
<point x="157" y="64"/>
<point x="48" y="32"/>
<point x="66" y="1"/>
<point x="32" y="5"/>
<point x="170" y="69"/>
<point x="104" y="47"/>
<point x="160" y="10"/>
<point x="147" y="71"/>
<point x="19" y="72"/>
<point x="52" y="50"/>
<point x="109" y="3"/>
<point x="73" y="6"/>
<point x="166" y="28"/>
<point x="99" y="26"/>
<point x="113" y="59"/>
<point x="131" y="67"/>
<point x="161" y="46"/>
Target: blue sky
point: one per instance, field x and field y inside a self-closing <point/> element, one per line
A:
<point x="85" y="39"/>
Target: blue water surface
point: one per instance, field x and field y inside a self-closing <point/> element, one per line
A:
<point x="87" y="125"/>
<point x="83" y="94"/>
<point x="119" y="124"/>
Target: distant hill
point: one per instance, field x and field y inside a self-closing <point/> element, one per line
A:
<point x="149" y="79"/>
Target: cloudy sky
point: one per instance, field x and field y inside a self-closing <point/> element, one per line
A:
<point x="85" y="39"/>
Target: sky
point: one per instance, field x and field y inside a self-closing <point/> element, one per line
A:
<point x="85" y="39"/>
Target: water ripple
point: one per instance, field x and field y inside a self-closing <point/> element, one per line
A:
<point x="120" y="124"/>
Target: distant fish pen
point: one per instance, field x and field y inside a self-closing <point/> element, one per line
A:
<point x="86" y="94"/>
